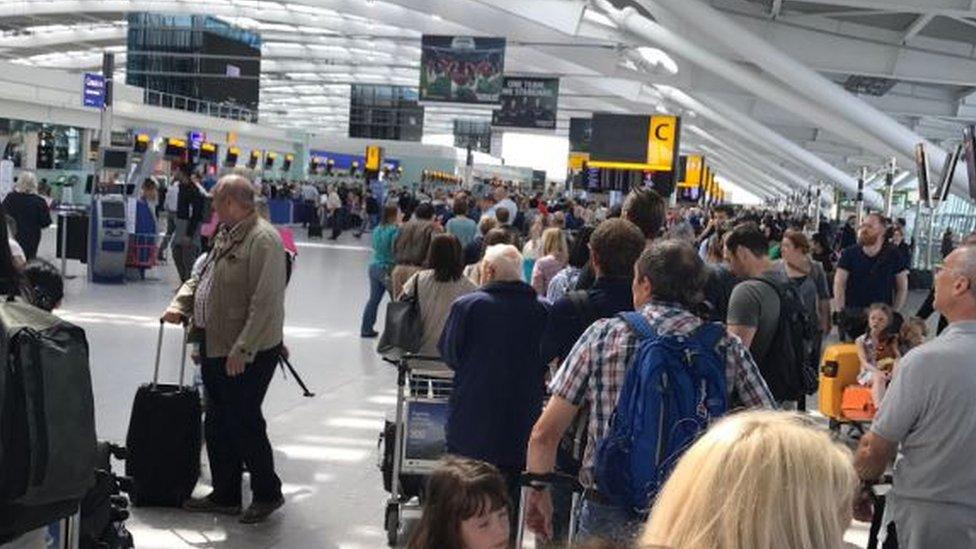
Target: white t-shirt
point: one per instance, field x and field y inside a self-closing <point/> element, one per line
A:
<point x="172" y="197"/>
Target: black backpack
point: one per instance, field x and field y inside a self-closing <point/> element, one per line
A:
<point x="47" y="418"/>
<point x="787" y="367"/>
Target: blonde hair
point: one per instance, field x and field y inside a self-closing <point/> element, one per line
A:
<point x="757" y="480"/>
<point x="26" y="183"/>
<point x="554" y="243"/>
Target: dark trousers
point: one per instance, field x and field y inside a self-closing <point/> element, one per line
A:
<point x="338" y="222"/>
<point x="235" y="430"/>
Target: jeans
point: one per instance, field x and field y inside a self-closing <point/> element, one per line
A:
<point x="377" y="286"/>
<point x="235" y="430"/>
<point x="598" y="520"/>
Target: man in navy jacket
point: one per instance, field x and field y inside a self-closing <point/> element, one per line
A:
<point x="491" y="341"/>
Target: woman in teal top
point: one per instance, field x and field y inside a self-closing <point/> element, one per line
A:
<point x="383" y="260"/>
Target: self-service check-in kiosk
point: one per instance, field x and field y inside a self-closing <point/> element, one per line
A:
<point x="108" y="234"/>
<point x="109" y="238"/>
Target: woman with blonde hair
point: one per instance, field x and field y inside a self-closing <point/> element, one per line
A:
<point x="757" y="480"/>
<point x="555" y="254"/>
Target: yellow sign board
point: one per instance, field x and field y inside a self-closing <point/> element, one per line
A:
<point x="661" y="140"/>
<point x="693" y="170"/>
<point x="662" y="147"/>
<point x="577" y="159"/>
<point x="374" y="157"/>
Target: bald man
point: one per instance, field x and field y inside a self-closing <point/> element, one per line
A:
<point x="236" y="308"/>
<point x="491" y="341"/>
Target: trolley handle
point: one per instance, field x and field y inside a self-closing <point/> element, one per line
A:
<point x="544" y="480"/>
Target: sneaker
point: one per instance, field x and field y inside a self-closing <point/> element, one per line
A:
<point x="369" y="335"/>
<point x="207" y="505"/>
<point x="260" y="510"/>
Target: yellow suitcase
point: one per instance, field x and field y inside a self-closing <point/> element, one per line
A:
<point x="838" y="369"/>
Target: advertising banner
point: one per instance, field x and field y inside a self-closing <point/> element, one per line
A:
<point x="461" y="69"/>
<point x="528" y="103"/>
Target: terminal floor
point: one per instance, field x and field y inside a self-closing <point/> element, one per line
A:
<point x="325" y="447"/>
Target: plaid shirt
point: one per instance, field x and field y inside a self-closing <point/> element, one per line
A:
<point x="594" y="370"/>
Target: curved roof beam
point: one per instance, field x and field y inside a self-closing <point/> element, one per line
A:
<point x="808" y="82"/>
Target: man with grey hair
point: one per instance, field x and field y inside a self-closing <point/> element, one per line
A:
<point x="491" y="341"/>
<point x="29" y="212"/>
<point x="668" y="281"/>
<point x="928" y="419"/>
<point x="236" y="308"/>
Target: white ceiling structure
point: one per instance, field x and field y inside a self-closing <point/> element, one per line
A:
<point x="760" y="83"/>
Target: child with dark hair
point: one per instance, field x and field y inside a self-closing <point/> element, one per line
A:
<point x="467" y="507"/>
<point x="45" y="283"/>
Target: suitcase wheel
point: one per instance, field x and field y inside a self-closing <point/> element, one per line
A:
<point x="392" y="523"/>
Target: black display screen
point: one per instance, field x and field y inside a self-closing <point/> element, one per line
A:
<point x="232" y="69"/>
<point x="619" y="138"/>
<point x="115" y="159"/>
<point x="580" y="134"/>
<point x="113" y="210"/>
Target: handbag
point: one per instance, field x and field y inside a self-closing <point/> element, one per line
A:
<point x="403" y="331"/>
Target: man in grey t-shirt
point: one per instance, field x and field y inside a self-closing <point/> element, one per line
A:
<point x="928" y="417"/>
<point x="754" y="306"/>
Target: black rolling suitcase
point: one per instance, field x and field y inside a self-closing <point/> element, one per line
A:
<point x="164" y="440"/>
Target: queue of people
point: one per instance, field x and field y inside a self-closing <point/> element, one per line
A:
<point x="569" y="342"/>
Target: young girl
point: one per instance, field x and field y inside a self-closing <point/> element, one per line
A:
<point x="467" y="507"/>
<point x="878" y="351"/>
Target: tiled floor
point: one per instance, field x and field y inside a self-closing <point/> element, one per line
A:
<point x="325" y="447"/>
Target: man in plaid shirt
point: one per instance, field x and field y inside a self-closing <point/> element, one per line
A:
<point x="668" y="281"/>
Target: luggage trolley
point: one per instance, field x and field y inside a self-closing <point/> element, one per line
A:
<point x="419" y="438"/>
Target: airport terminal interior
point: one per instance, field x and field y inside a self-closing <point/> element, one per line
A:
<point x="829" y="142"/>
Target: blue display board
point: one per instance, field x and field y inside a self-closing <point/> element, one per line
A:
<point x="344" y="161"/>
<point x="93" y="91"/>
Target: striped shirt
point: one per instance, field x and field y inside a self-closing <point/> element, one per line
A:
<point x="594" y="370"/>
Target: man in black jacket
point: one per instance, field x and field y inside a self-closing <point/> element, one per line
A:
<point x="189" y="215"/>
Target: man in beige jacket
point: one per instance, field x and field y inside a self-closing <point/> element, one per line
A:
<point x="235" y="308"/>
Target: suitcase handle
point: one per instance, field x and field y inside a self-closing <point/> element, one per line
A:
<point x="159" y="352"/>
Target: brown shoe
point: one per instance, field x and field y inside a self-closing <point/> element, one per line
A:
<point x="260" y="510"/>
<point x="207" y="505"/>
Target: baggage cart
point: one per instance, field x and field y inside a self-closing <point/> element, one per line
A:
<point x="418" y="440"/>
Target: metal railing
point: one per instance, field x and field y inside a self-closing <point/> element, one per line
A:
<point x="208" y="108"/>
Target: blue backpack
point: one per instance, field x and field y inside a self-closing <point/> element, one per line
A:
<point x="674" y="389"/>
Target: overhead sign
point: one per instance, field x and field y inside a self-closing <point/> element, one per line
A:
<point x="577" y="159"/>
<point x="693" y="171"/>
<point x="528" y="103"/>
<point x="461" y="69"/>
<point x="93" y="91"/>
<point x="662" y="141"/>
<point x="580" y="134"/>
<point x="635" y="142"/>
<point x="374" y="157"/>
